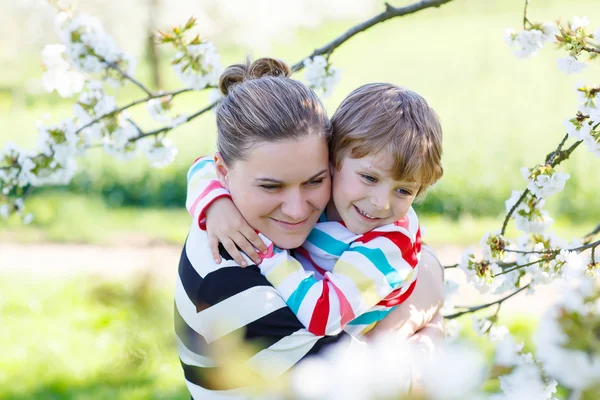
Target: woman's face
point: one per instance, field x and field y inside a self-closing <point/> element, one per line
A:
<point x="282" y="188"/>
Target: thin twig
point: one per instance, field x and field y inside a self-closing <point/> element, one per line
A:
<point x="512" y="210"/>
<point x="483" y="306"/>
<point x="133" y="103"/>
<point x="591" y="50"/>
<point x="550" y="257"/>
<point x="389" y="13"/>
<point x="126" y="75"/>
<point x="168" y="128"/>
<point x="592" y="233"/>
<point x="553" y="159"/>
<point x="525" y="20"/>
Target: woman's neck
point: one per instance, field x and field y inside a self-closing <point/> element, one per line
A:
<point x="331" y="212"/>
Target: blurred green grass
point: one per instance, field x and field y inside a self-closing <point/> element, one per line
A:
<point x="498" y="112"/>
<point x="87" y="339"/>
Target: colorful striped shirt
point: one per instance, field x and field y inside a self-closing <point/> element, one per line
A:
<point x="337" y="279"/>
<point x="217" y="305"/>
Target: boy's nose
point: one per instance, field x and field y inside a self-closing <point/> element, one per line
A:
<point x="381" y="202"/>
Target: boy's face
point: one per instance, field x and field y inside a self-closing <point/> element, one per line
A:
<point x="367" y="196"/>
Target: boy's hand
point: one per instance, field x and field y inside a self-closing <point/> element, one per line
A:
<point x="422" y="305"/>
<point x="225" y="224"/>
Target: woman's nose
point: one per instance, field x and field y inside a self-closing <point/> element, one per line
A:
<point x="296" y="207"/>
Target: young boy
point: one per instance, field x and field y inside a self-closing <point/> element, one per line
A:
<point x="359" y="262"/>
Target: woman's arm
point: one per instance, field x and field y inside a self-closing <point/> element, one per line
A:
<point x="422" y="306"/>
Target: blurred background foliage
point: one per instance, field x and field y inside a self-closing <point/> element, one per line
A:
<point x="498" y="113"/>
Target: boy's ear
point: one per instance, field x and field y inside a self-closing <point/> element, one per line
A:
<point x="222" y="170"/>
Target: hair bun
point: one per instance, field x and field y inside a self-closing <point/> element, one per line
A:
<point x="238" y="73"/>
<point x="232" y="75"/>
<point x="268" y="67"/>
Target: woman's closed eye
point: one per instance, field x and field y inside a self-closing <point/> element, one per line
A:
<point x="315" y="182"/>
<point x="270" y="187"/>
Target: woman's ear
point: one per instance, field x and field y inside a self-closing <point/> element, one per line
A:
<point x="222" y="170"/>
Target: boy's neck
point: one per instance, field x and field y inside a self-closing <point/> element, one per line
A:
<point x="331" y="212"/>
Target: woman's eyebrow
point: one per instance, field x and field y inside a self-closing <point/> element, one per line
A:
<point x="273" y="180"/>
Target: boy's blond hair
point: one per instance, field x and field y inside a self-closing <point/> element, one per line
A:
<point x="382" y="116"/>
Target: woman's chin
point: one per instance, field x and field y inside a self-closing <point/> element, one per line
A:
<point x="289" y="241"/>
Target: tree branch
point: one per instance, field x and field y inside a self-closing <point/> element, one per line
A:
<point x="483" y="306"/>
<point x="389" y="13"/>
<point x="550" y="256"/>
<point x="168" y="128"/>
<point x="525" y="20"/>
<point x="133" y="103"/>
<point x="126" y="75"/>
<point x="591" y="50"/>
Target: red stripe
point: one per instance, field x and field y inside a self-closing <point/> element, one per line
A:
<point x="304" y="253"/>
<point x="391" y="300"/>
<point x="318" y="322"/>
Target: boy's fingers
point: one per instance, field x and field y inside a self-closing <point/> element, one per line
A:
<point x="246" y="247"/>
<point x="234" y="252"/>
<point x="214" y="248"/>
<point x="255" y="240"/>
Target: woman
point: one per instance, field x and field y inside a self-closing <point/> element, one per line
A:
<point x="265" y="121"/>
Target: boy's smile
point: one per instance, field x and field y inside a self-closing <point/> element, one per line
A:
<point x="366" y="196"/>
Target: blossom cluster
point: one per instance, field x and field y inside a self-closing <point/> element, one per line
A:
<point x="321" y="75"/>
<point x="196" y="62"/>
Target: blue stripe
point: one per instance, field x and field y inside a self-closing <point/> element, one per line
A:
<point x="296" y="298"/>
<point x="378" y="258"/>
<point x="323" y="217"/>
<point x="370" y="316"/>
<point x="199" y="165"/>
<point x="327" y="243"/>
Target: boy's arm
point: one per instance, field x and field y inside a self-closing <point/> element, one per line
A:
<point x="424" y="303"/>
<point x="203" y="188"/>
<point x="362" y="277"/>
<point x="210" y="204"/>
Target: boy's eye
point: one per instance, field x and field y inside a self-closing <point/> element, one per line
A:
<point x="369" y="178"/>
<point x="405" y="192"/>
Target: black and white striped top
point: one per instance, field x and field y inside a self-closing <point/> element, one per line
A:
<point x="213" y="302"/>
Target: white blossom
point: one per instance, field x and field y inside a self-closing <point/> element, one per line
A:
<point x="157" y="111"/>
<point x="481" y="326"/>
<point x="4" y="211"/>
<point x="201" y="67"/>
<point x="574" y="368"/>
<point x="579" y="22"/>
<point x="593" y="144"/>
<point x="28" y="218"/>
<point x="549" y="30"/>
<point x="382" y="369"/>
<point x="59" y="74"/>
<point x="525" y="383"/>
<point x="570" y="65"/>
<point x="88" y="47"/>
<point x="545" y="185"/>
<point x="453" y="329"/>
<point x="508" y="352"/>
<point x="443" y="381"/>
<point x="160" y="152"/>
<point x="572" y="130"/>
<point x="596" y="34"/>
<point x="321" y="75"/>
